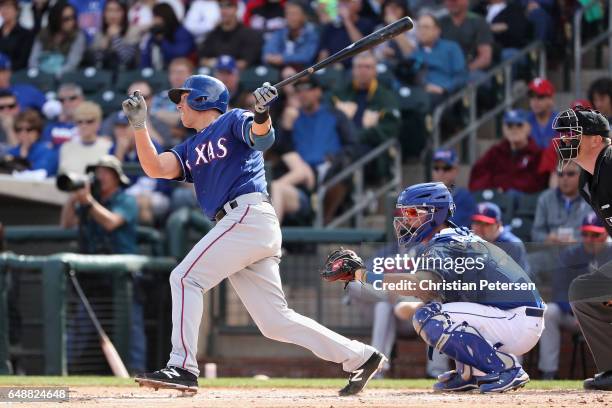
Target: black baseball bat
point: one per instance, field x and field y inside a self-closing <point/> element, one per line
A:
<point x="366" y="43"/>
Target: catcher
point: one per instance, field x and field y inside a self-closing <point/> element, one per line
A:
<point x="475" y="297"/>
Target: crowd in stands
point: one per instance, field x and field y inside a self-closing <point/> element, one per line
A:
<point x="63" y="125"/>
<point x="454" y="42"/>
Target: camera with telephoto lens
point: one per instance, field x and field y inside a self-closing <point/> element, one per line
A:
<point x="70" y="182"/>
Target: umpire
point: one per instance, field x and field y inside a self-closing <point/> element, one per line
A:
<point x="584" y="137"/>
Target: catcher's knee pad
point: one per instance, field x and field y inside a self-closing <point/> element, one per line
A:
<point x="459" y="341"/>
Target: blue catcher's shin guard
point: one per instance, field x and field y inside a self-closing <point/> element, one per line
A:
<point x="459" y="341"/>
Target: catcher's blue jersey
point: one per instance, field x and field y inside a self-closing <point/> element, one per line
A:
<point x="491" y="264"/>
<point x="220" y="162"/>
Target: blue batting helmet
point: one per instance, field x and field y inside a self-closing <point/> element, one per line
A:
<point x="420" y="209"/>
<point x="205" y="92"/>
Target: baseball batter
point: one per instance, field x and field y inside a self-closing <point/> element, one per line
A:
<point x="482" y="326"/>
<point x="224" y="161"/>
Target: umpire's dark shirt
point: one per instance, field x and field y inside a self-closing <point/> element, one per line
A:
<point x="596" y="189"/>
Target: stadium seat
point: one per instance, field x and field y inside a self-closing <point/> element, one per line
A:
<point x="414" y="105"/>
<point x="385" y="76"/>
<point x="521" y="227"/>
<point x="158" y="80"/>
<point x="44" y="82"/>
<point x="330" y="78"/>
<point x="252" y="78"/>
<point x="505" y="202"/>
<point x="109" y="101"/>
<point x="92" y="80"/>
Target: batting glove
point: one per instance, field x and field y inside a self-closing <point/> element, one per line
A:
<point x="264" y="96"/>
<point x="135" y="108"/>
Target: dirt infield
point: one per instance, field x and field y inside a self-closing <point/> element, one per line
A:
<point x="293" y="398"/>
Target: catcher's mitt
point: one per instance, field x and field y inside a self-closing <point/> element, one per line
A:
<point x="341" y="265"/>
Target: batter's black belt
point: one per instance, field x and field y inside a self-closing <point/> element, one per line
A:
<point x="534" y="312"/>
<point x="233" y="204"/>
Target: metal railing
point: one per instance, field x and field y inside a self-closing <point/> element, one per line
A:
<point x="580" y="49"/>
<point x="356" y="172"/>
<point x="535" y="50"/>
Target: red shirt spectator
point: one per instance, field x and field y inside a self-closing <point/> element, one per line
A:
<point x="511" y="164"/>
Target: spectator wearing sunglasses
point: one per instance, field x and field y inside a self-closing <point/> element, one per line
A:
<point x="512" y="164"/>
<point x="63" y="128"/>
<point x="27" y="127"/>
<point x="541" y="115"/>
<point x="560" y="210"/>
<point x="487" y="224"/>
<point x="9" y="108"/>
<point x="88" y="148"/>
<point x="445" y="169"/>
<point x="28" y="96"/>
<point x="575" y="260"/>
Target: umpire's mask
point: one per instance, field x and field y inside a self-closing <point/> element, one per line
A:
<point x="569" y="131"/>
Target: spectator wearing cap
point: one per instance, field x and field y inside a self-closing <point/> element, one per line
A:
<point x="265" y="16"/>
<point x="541" y="114"/>
<point x="15" y="40"/>
<point x="63" y="129"/>
<point x="445" y="169"/>
<point x="162" y="108"/>
<point x="487" y="224"/>
<point x="296" y="43"/>
<point x="600" y="95"/>
<point x="167" y="39"/>
<point x="106" y="218"/>
<point x="512" y="164"/>
<point x="574" y="261"/>
<point x="471" y="32"/>
<point x="370" y="105"/>
<point x="227" y="72"/>
<point x="440" y="61"/>
<point x="151" y="195"/>
<point x="28" y="96"/>
<point x="560" y="210"/>
<point x="231" y="37"/>
<point x="75" y="155"/>
<point x="324" y="138"/>
<point x="201" y="18"/>
<point x="27" y="127"/>
<point x="349" y="28"/>
<point x="9" y="108"/>
<point x="59" y="47"/>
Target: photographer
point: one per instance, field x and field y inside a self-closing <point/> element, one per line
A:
<point x="106" y="217"/>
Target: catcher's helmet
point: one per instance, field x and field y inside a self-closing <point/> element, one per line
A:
<point x="205" y="92"/>
<point x="429" y="204"/>
<point x="570" y="125"/>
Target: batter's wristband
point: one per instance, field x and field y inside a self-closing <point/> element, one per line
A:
<point x="261" y="117"/>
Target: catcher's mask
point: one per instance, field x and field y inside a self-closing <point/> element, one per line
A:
<point x="569" y="131"/>
<point x="419" y="210"/>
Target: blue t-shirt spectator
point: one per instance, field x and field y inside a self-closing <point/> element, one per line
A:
<point x="41" y="157"/>
<point x="514" y="246"/>
<point x="321" y="135"/>
<point x="301" y="50"/>
<point x="465" y="206"/>
<point x="443" y="64"/>
<point x="542" y="134"/>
